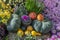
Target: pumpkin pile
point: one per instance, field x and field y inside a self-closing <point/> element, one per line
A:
<point x="23" y="19"/>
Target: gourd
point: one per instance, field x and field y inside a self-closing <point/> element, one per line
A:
<point x="42" y="26"/>
<point x="32" y="15"/>
<point x="29" y="28"/>
<point x="34" y="33"/>
<point x="20" y="33"/>
<point x="40" y="17"/>
<point x="14" y="23"/>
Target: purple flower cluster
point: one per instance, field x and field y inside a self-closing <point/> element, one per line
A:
<point x="52" y="11"/>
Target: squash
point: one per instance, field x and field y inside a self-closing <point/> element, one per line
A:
<point x="27" y="33"/>
<point x="20" y="33"/>
<point x="14" y="23"/>
<point x="37" y="25"/>
<point x="32" y="15"/>
<point x="40" y="17"/>
<point x="29" y="28"/>
<point x="34" y="33"/>
<point x="42" y="26"/>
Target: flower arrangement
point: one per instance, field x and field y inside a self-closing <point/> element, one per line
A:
<point x="29" y="20"/>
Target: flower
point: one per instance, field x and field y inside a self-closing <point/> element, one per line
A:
<point x="5" y="16"/>
<point x="52" y="11"/>
<point x="4" y="21"/>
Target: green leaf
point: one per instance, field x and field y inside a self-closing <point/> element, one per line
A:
<point x="34" y="5"/>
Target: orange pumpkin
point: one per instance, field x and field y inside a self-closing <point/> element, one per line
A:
<point x="32" y="15"/>
<point x="40" y="17"/>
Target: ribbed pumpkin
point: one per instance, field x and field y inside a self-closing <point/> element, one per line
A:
<point x="14" y="23"/>
<point x="42" y="26"/>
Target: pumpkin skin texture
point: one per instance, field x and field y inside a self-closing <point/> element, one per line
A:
<point x="32" y="15"/>
<point x="43" y="27"/>
<point x="26" y="20"/>
<point x="37" y="25"/>
<point x="14" y="24"/>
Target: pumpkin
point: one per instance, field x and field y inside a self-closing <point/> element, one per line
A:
<point x="26" y="20"/>
<point x="32" y="15"/>
<point x="40" y="17"/>
<point x="20" y="33"/>
<point x="42" y="26"/>
<point x="29" y="28"/>
<point x="14" y="23"/>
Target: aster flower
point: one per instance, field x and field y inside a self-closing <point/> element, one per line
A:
<point x="52" y="11"/>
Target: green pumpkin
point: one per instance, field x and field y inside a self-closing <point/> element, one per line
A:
<point x="42" y="26"/>
<point x="14" y="23"/>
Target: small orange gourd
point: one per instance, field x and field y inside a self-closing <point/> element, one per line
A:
<point x="40" y="17"/>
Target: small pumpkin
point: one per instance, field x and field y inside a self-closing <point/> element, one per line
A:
<point x="40" y="17"/>
<point x="20" y="33"/>
<point x="26" y="20"/>
<point x="14" y="23"/>
<point x="42" y="26"/>
<point x="29" y="28"/>
<point x="32" y="15"/>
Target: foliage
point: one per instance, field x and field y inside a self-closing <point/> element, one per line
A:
<point x="34" y="6"/>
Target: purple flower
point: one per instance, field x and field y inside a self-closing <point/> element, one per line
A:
<point x="52" y="11"/>
<point x="58" y="34"/>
